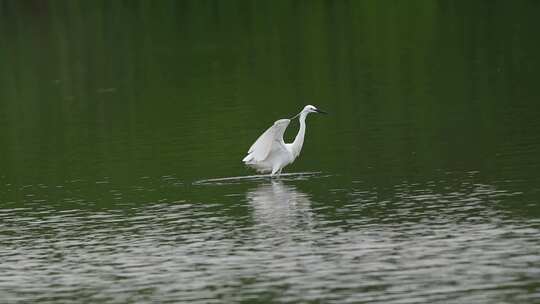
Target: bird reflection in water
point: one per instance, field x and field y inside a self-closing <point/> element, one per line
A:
<point x="281" y="207"/>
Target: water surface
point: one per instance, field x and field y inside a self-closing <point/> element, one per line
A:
<point x="422" y="186"/>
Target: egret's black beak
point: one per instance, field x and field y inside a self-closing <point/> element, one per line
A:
<point x="321" y="111"/>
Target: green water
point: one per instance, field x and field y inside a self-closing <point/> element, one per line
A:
<point x="421" y="186"/>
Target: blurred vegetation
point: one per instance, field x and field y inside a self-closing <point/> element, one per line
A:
<point x="131" y="88"/>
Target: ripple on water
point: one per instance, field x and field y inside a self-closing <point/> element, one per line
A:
<point x="436" y="242"/>
<point x="258" y="178"/>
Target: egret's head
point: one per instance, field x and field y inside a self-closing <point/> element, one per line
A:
<point x="309" y="109"/>
<point x="312" y="109"/>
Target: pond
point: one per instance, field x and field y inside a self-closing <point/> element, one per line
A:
<point x="124" y="125"/>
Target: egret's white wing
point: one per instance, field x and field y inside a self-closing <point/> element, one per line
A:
<point x="263" y="145"/>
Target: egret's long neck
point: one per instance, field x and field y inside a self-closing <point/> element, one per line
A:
<point x="299" y="140"/>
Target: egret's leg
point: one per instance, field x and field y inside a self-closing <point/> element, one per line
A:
<point x="279" y="172"/>
<point x="274" y="170"/>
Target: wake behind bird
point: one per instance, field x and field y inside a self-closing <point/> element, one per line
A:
<point x="259" y="177"/>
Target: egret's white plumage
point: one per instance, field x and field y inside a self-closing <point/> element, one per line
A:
<point x="270" y="153"/>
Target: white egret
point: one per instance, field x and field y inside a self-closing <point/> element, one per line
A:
<point x="270" y="153"/>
